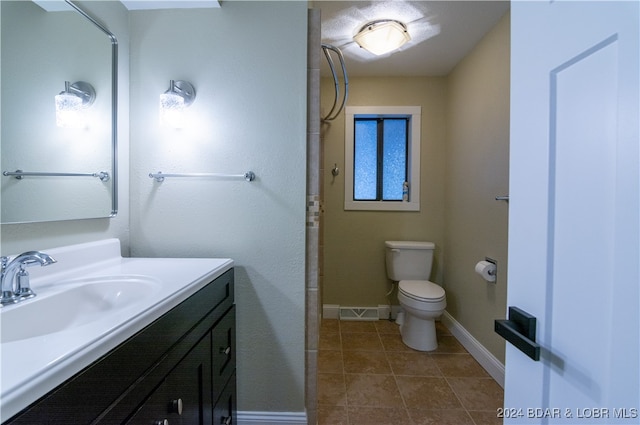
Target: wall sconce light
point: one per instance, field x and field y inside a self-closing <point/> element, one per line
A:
<point x="72" y="103"/>
<point x="180" y="95"/>
<point x="382" y="36"/>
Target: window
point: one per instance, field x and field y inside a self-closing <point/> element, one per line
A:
<point x="382" y="158"/>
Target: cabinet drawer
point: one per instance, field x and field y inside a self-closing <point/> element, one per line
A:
<point x="223" y="352"/>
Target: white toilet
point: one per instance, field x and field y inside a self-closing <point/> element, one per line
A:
<point x="409" y="264"/>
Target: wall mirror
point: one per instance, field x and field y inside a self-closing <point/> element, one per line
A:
<point x="52" y="173"/>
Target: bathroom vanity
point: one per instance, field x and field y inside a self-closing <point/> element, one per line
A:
<point x="172" y="359"/>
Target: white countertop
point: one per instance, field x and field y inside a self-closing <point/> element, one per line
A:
<point x="32" y="367"/>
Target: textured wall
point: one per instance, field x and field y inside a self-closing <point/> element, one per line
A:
<point x="247" y="61"/>
<point x="355" y="273"/>
<point x="477" y="170"/>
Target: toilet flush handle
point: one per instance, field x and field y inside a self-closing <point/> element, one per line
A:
<point x="395" y="250"/>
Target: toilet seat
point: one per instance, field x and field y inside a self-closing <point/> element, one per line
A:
<point x="422" y="291"/>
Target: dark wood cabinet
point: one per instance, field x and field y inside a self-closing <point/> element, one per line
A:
<point x="225" y="411"/>
<point x="180" y="369"/>
<point x="183" y="397"/>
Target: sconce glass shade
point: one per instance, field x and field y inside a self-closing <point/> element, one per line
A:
<point x="69" y="111"/>
<point x="173" y="102"/>
<point x="171" y="110"/>
<point x="383" y="36"/>
<point x="72" y="103"/>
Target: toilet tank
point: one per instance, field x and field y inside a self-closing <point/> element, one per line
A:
<point x="409" y="260"/>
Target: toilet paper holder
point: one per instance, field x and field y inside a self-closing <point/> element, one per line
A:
<point x="492" y="273"/>
<point x="494" y="262"/>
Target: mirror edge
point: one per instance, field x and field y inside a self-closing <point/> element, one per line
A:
<point x="114" y="103"/>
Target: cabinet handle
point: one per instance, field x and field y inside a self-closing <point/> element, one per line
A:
<point x="177" y="406"/>
<point x="162" y="422"/>
<point x="226" y="351"/>
<point x="226" y="420"/>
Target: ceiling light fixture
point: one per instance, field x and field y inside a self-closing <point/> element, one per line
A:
<point x="382" y="36"/>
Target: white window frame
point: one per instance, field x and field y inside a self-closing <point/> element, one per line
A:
<point x="413" y="167"/>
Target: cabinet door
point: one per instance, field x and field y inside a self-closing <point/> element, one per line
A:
<point x="225" y="410"/>
<point x="184" y="397"/>
<point x="223" y="352"/>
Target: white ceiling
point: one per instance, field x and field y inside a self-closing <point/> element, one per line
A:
<point x="442" y="33"/>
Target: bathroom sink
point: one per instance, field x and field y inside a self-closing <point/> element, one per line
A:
<point x="87" y="303"/>
<point x="73" y="303"/>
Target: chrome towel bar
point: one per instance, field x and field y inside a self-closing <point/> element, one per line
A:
<point x="160" y="176"/>
<point x="19" y="174"/>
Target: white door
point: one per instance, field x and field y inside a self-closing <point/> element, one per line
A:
<point x="574" y="218"/>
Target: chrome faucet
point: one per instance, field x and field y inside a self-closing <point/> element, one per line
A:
<point x="15" y="279"/>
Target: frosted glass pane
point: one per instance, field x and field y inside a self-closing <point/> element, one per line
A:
<point x="365" y="170"/>
<point x="394" y="163"/>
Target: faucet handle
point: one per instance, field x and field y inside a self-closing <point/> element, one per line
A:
<point x="15" y="279"/>
<point x="22" y="286"/>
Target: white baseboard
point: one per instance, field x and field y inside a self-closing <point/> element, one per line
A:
<point x="330" y="311"/>
<point x="386" y="310"/>
<point x="272" y="418"/>
<point x="488" y="361"/>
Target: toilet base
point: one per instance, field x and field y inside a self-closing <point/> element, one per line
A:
<point x="419" y="334"/>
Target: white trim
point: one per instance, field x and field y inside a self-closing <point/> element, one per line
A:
<point x="414" y="157"/>
<point x="384" y="310"/>
<point x="272" y="418"/>
<point x="488" y="361"/>
<point x="330" y="311"/>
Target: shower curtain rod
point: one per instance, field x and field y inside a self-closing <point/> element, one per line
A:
<point x="334" y="113"/>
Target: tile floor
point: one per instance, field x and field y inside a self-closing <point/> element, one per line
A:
<point x="367" y="376"/>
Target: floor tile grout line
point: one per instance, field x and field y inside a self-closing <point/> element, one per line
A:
<point x="388" y="355"/>
<point x="395" y="378"/>
<point x="458" y="398"/>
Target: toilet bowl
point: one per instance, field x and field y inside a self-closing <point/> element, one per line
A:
<point x="409" y="264"/>
<point x="423" y="302"/>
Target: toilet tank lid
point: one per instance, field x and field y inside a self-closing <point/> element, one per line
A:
<point x="409" y="245"/>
